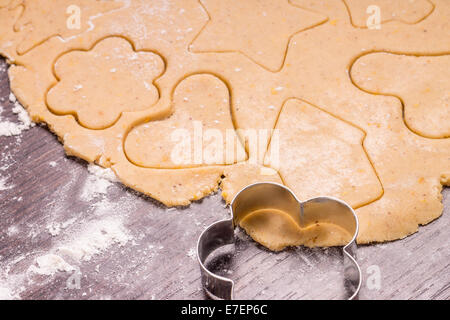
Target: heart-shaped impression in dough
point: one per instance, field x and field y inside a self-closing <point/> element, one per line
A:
<point x="199" y="131"/>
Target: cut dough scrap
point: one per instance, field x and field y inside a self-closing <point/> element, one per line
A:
<point x="420" y="82"/>
<point x="200" y="130"/>
<point x="42" y="19"/>
<point x="98" y="85"/>
<point x="407" y="11"/>
<point x="320" y="155"/>
<point x="276" y="230"/>
<point x="260" y="29"/>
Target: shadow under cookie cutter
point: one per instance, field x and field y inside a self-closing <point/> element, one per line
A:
<point x="263" y="196"/>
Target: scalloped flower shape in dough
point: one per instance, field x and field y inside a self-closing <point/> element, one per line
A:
<point x="98" y="85"/>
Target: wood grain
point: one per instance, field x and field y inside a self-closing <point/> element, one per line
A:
<point x="158" y="262"/>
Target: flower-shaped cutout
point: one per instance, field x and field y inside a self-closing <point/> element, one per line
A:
<point x="98" y="85"/>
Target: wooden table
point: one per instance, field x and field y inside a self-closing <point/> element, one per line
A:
<point x="158" y="260"/>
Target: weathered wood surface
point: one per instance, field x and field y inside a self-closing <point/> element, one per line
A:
<point x="158" y="262"/>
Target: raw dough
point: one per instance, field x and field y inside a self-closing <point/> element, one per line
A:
<point x="341" y="170"/>
<point x="243" y="33"/>
<point x="420" y="82"/>
<point x="251" y="66"/>
<point x="276" y="230"/>
<point x="42" y="19"/>
<point x="196" y="132"/>
<point x="407" y="11"/>
<point x="112" y="79"/>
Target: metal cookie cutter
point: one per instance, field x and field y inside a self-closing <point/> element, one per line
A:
<point x="278" y="197"/>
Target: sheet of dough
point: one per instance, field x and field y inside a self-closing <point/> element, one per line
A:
<point x="134" y="69"/>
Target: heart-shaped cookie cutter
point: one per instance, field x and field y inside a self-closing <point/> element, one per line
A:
<point x="267" y="195"/>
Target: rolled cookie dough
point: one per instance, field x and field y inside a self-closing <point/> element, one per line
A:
<point x="299" y="73"/>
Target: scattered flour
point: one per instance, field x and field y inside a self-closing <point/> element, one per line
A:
<point x="8" y="128"/>
<point x="55" y="228"/>
<point x="98" y="182"/>
<point x="95" y="238"/>
<point x="12" y="231"/>
<point x="6" y="157"/>
<point x="3" y="185"/>
<point x="94" y="187"/>
<point x="103" y="173"/>
<point x="77" y="239"/>
<point x="6" y="294"/>
<point x="50" y="264"/>
<point x="5" y="166"/>
<point x="52" y="164"/>
<point x="192" y="254"/>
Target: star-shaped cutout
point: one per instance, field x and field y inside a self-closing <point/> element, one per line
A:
<point x="259" y="29"/>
